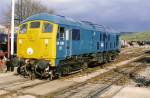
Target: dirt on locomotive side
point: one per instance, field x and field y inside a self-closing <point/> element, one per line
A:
<point x="125" y="54"/>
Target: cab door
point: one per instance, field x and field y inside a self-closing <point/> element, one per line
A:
<point x="61" y="42"/>
<point x="68" y="38"/>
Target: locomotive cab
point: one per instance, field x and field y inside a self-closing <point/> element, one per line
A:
<point x="37" y="40"/>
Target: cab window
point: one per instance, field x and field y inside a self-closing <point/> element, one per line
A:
<point x="35" y="25"/>
<point x="61" y="33"/>
<point x="47" y="28"/>
<point x="23" y="29"/>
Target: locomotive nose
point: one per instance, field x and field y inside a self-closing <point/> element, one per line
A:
<point x="37" y="40"/>
<point x="33" y="34"/>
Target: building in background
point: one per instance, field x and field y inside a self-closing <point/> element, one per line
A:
<point x="2" y="29"/>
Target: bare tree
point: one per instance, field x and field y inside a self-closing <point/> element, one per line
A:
<point x="26" y="8"/>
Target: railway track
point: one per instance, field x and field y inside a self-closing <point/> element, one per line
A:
<point x="12" y="86"/>
<point x="94" y="88"/>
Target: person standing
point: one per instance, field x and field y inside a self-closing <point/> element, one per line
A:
<point x="2" y="63"/>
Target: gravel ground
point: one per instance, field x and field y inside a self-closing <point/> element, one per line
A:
<point x="145" y="73"/>
<point x="12" y="86"/>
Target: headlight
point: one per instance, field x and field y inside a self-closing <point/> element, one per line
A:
<point x="20" y="41"/>
<point x="46" y="41"/>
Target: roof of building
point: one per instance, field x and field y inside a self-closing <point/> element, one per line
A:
<point x="2" y="27"/>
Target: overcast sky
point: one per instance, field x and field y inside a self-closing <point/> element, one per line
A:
<point x="122" y="15"/>
<point x="3" y="6"/>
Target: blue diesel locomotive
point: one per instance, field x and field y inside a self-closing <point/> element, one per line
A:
<point x="53" y="45"/>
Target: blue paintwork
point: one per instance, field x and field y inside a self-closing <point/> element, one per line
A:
<point x="89" y="37"/>
<point x="59" y="20"/>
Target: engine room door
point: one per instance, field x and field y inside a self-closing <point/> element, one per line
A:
<point x="68" y="34"/>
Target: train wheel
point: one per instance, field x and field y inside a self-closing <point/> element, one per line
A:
<point x="51" y="75"/>
<point x="32" y="76"/>
<point x="109" y="58"/>
<point x="18" y="70"/>
<point x="84" y="66"/>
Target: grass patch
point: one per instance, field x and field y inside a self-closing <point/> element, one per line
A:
<point x="141" y="36"/>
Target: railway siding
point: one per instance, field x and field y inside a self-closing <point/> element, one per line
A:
<point x="12" y="86"/>
<point x="103" y="82"/>
<point x="100" y="71"/>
